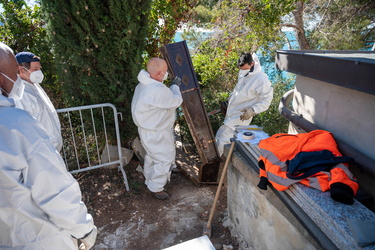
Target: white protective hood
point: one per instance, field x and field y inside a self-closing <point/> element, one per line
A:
<point x="154" y="104"/>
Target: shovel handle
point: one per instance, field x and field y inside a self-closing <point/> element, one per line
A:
<point x="219" y="186"/>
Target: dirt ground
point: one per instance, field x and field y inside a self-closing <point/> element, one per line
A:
<point x="136" y="220"/>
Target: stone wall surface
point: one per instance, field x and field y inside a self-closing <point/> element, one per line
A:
<point x="266" y="222"/>
<point x="259" y="215"/>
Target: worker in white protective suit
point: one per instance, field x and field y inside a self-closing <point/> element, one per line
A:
<point x="154" y="112"/>
<point x="252" y="95"/>
<point x="40" y="202"/>
<point x="35" y="100"/>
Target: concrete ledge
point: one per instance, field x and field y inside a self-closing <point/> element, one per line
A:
<point x="330" y="215"/>
<point x="299" y="218"/>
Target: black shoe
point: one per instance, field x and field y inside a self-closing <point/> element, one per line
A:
<point x="162" y="195"/>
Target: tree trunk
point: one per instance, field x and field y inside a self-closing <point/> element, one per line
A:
<point x="298" y="19"/>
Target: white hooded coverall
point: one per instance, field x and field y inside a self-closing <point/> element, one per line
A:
<point x="154" y="112"/>
<point x="253" y="90"/>
<point x="37" y="103"/>
<point x="40" y="202"/>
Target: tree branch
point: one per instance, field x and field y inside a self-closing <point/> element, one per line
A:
<point x="292" y="26"/>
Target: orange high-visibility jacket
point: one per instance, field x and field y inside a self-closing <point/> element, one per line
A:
<point x="277" y="149"/>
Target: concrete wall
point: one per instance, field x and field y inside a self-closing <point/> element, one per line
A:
<point x="263" y="220"/>
<point x="347" y="113"/>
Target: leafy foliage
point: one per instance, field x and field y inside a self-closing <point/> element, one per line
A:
<point x="246" y="26"/>
<point x="341" y="24"/>
<point x="24" y="29"/>
<point x="166" y="16"/>
<point x="214" y="72"/>
<point x="98" y="47"/>
<point x="203" y="16"/>
<point x="20" y="22"/>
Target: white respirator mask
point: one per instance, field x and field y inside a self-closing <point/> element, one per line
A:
<point x="18" y="88"/>
<point x="165" y="76"/>
<point x="244" y="72"/>
<point x="36" y="76"/>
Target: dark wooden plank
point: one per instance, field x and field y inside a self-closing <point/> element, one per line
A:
<point x="179" y="64"/>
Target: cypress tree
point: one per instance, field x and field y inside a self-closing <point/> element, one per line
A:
<point x="98" y="47"/>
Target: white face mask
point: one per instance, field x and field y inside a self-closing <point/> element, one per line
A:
<point x="165" y="76"/>
<point x="36" y="76"/>
<point x="244" y="72"/>
<point x="18" y="88"/>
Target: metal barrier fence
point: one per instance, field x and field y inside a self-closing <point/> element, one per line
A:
<point x="87" y="131"/>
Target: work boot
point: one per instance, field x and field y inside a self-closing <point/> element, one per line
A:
<point x="162" y="195"/>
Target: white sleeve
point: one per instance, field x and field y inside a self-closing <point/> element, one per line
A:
<point x="168" y="98"/>
<point x="175" y="89"/>
<point x="55" y="191"/>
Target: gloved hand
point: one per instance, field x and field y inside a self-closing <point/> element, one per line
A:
<point x="177" y="81"/>
<point x="89" y="241"/>
<point x="263" y="181"/>
<point x="247" y="114"/>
